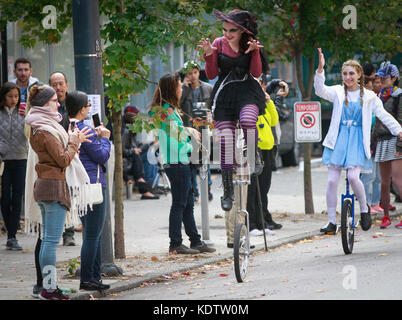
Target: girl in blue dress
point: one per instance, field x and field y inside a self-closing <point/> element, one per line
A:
<point x="347" y="144"/>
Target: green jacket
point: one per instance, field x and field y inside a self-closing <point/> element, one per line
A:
<point x="171" y="148"/>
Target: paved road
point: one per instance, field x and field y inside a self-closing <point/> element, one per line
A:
<point x="311" y="269"/>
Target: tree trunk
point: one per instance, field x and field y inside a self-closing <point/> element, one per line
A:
<point x="119" y="248"/>
<point x="306" y="96"/>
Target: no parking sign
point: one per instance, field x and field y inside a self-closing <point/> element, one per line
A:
<point x="307" y="119"/>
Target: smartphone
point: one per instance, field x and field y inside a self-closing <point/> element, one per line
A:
<point x="72" y="125"/>
<point x="95" y="118"/>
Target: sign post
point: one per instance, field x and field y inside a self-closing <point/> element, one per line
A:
<point x="307" y="120"/>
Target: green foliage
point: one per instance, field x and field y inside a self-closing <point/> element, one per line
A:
<point x="137" y="30"/>
<point x="29" y="15"/>
<point x="73" y="264"/>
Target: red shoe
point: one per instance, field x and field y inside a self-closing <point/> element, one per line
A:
<point x="386" y="222"/>
<point x="390" y="208"/>
<point x="54" y="295"/>
<point x="399" y="225"/>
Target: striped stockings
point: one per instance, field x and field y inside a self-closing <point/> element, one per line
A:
<point x="226" y="132"/>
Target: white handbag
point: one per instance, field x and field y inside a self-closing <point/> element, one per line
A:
<point x="96" y="191"/>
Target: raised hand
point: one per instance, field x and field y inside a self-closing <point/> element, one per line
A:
<point x="253" y="45"/>
<point x="84" y="134"/>
<point x="321" y="61"/>
<point x="206" y="46"/>
<point x="284" y="90"/>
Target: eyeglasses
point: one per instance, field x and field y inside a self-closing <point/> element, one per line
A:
<point x="230" y="30"/>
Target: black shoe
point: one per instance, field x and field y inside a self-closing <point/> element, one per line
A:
<point x="202" y="247"/>
<point x="101" y="284"/>
<point x="273" y="226"/>
<point x="182" y="249"/>
<point x="228" y="191"/>
<point x="365" y="219"/>
<point x="231" y="245"/>
<point x="93" y="285"/>
<point x="12" y="244"/>
<point x="329" y="228"/>
<point x="144" y="197"/>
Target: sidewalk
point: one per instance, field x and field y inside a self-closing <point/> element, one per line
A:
<point x="147" y="240"/>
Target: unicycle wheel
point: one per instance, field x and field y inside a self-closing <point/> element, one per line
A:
<point x="347" y="227"/>
<point x="241" y="251"/>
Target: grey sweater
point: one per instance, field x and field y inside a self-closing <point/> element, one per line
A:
<point x="13" y="143"/>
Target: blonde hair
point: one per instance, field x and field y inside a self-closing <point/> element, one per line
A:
<point x="356" y="65"/>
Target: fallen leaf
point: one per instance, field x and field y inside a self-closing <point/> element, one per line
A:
<point x="320" y="291"/>
<point x="223" y="274"/>
<point x="383" y="254"/>
<point x="155" y="259"/>
<point x="285" y="280"/>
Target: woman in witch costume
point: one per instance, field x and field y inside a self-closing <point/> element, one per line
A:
<point x="237" y="58"/>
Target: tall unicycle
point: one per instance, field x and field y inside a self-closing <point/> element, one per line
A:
<point x="241" y="245"/>
<point x="348" y="224"/>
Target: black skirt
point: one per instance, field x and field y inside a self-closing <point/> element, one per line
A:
<point x="235" y="88"/>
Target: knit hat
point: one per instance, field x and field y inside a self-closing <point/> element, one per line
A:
<point x="387" y="70"/>
<point x="43" y="96"/>
<point x="75" y="101"/>
<point x="132" y="109"/>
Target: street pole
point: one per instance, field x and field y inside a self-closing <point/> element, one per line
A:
<point x="89" y="78"/>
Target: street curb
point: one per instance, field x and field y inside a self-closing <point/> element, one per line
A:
<point x="125" y="285"/>
<point x="134" y="283"/>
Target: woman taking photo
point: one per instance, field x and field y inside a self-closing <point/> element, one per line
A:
<point x="62" y="182"/>
<point x="175" y="157"/>
<point x="93" y="155"/>
<point x="237" y="96"/>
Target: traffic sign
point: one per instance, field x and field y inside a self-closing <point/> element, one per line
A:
<point x="307" y="119"/>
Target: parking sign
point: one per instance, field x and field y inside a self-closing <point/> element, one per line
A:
<point x="307" y="119"/>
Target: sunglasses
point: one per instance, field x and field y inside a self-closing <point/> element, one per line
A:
<point x="230" y="30"/>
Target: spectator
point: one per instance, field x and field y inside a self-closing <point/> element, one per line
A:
<point x="58" y="81"/>
<point x="61" y="184"/>
<point x="389" y="162"/>
<point x="133" y="167"/>
<point x="94" y="153"/>
<point x="177" y="167"/>
<point x="24" y="80"/>
<point x="195" y="91"/>
<point x="13" y="152"/>
<point x="266" y="144"/>
<point x="372" y="180"/>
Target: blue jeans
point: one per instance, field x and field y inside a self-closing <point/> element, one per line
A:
<point x="91" y="250"/>
<point x="182" y="209"/>
<point x="13" y="185"/>
<point x="150" y="170"/>
<point x="372" y="185"/>
<point x="53" y="218"/>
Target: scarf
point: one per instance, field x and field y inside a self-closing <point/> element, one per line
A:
<point x="386" y="93"/>
<point x="42" y="118"/>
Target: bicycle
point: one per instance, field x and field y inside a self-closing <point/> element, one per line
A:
<point x="348" y="225"/>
